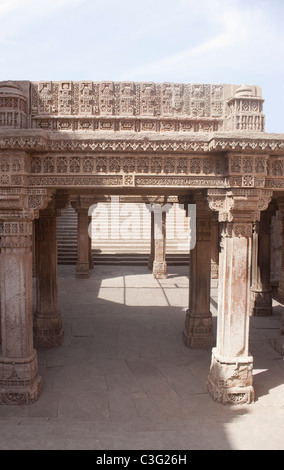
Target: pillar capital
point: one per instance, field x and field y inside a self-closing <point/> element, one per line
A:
<point x="235" y="205"/>
<point x="280" y="204"/>
<point x="23" y="202"/>
<point x="82" y="203"/>
<point x="16" y="231"/>
<point x="159" y="200"/>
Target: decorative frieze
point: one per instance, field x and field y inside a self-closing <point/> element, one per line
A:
<point x="127" y="98"/>
<point x="171" y="145"/>
<point x="107" y="164"/>
<point x="132" y="106"/>
<point x="69" y="181"/>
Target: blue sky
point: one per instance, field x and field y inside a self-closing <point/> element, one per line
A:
<point x="196" y="41"/>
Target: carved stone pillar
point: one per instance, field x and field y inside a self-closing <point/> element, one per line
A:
<point x="47" y="321"/>
<point x="33" y="250"/>
<point x="83" y="243"/>
<point x="278" y="341"/>
<point x="91" y="263"/>
<point x="81" y="204"/>
<point x="261" y="292"/>
<point x="0" y="297"/>
<point x="198" y="332"/>
<point x="159" y="262"/>
<point x="280" y="296"/>
<point x="20" y="382"/>
<point x="83" y="266"/>
<point x="230" y="379"/>
<point x="214" y="248"/>
<point x="152" y="243"/>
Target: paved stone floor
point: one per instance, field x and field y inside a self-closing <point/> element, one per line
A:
<point x="124" y="380"/>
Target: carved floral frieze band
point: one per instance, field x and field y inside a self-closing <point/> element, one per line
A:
<point x="45" y="143"/>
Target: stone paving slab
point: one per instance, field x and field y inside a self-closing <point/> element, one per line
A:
<point x="124" y="380"/>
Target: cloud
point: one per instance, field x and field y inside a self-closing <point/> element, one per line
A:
<point x="240" y="35"/>
<point x="18" y="15"/>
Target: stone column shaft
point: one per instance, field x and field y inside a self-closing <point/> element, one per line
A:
<point x="281" y="281"/>
<point x="261" y="292"/>
<point x="160" y="264"/>
<point x="91" y="263"/>
<point x="280" y="295"/>
<point x="83" y="263"/>
<point x="159" y="248"/>
<point x="152" y="243"/>
<point x="0" y="298"/>
<point x="214" y="249"/>
<point x="47" y="323"/>
<point x="198" y="332"/>
<point x="230" y="379"/>
<point x="20" y="382"/>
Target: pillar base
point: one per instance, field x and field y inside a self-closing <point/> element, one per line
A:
<point x="214" y="270"/>
<point x="160" y="270"/>
<point x="198" y="332"/>
<point x="82" y="275"/>
<point x="261" y="303"/>
<point x="48" y="331"/>
<point x="91" y="261"/>
<point x="20" y="383"/>
<point x="230" y="380"/>
<point x="278" y="344"/>
<point x="280" y="296"/>
<point x="82" y="271"/>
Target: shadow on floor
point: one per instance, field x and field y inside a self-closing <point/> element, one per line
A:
<point x="124" y="380"/>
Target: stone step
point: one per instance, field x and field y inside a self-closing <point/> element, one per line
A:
<point x="126" y="259"/>
<point x="108" y="251"/>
